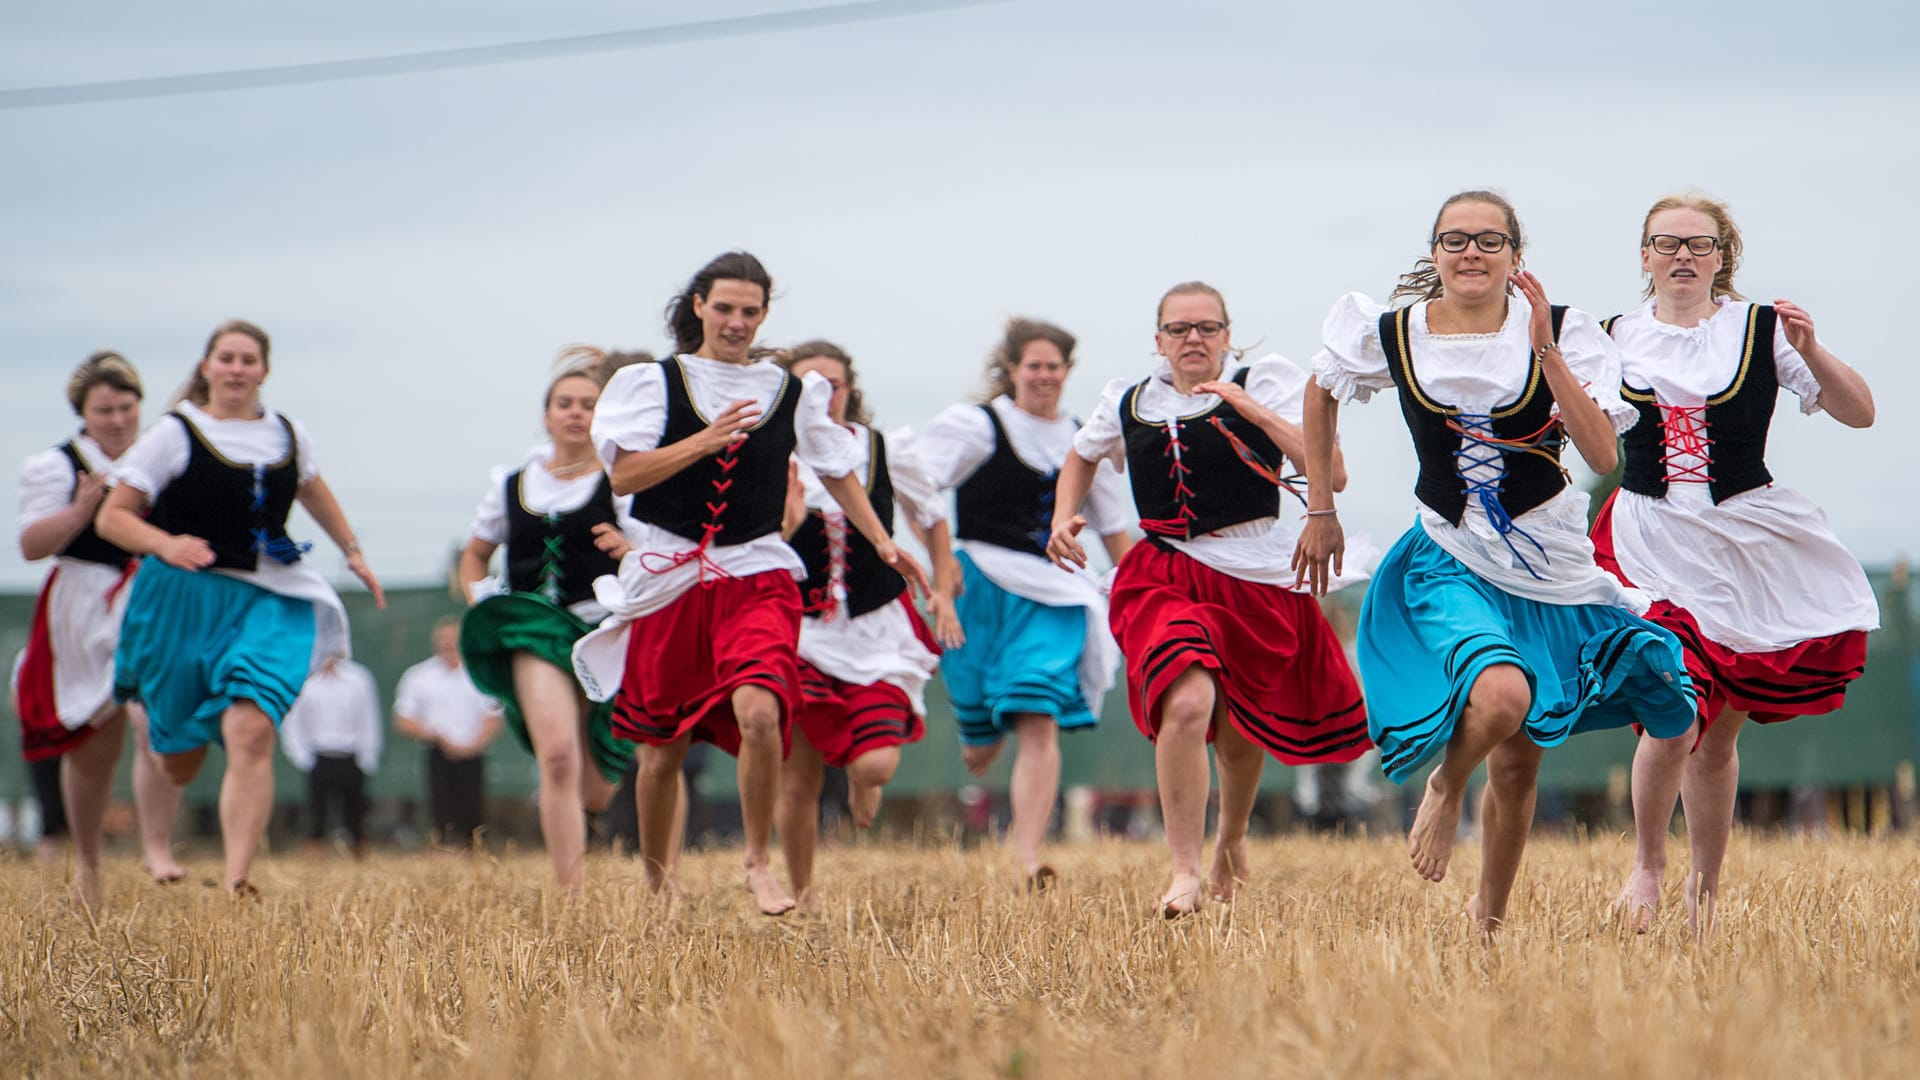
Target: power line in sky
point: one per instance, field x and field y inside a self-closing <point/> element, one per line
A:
<point x="432" y="60"/>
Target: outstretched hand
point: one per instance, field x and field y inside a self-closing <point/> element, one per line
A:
<point x="1064" y="547"/>
<point x="1540" y="322"/>
<point x="906" y="565"/>
<point x="1322" y="547"/>
<point x="357" y="563"/>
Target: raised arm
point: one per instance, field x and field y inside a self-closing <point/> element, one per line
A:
<point x="55" y="531"/>
<point x="638" y="470"/>
<point x="1843" y="393"/>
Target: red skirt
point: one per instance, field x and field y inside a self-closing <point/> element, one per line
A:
<point x="844" y="720"/>
<point x="1288" y="684"/>
<point x="685" y="661"/>
<point x="42" y="735"/>
<point x="1801" y="680"/>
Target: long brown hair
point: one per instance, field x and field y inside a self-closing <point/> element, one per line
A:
<point x="1019" y="334"/>
<point x="827" y="350"/>
<point x="1423" y="281"/>
<point x="684" y="324"/>
<point x="196" y="391"/>
<point x="104" y="368"/>
<point x="1723" y="226"/>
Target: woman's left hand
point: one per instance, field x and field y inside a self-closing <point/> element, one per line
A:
<point x="357" y="563"/>
<point x="1798" y="326"/>
<point x="1540" y="323"/>
<point x="611" y="541"/>
<point x="906" y="564"/>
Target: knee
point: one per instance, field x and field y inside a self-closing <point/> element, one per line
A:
<point x="1514" y="769"/>
<point x="180" y="769"/>
<point x="875" y="768"/>
<point x="661" y="764"/>
<point x="1187" y="708"/>
<point x="560" y="765"/>
<point x="248" y="734"/>
<point x="800" y="792"/>
<point x="1717" y="750"/>
<point x="1038" y="735"/>
<point x="1501" y="697"/>
<point x="757" y="713"/>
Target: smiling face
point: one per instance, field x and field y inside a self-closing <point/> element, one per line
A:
<point x="110" y="416"/>
<point x="1474" y="276"/>
<point x="1681" y="281"/>
<point x="569" y="419"/>
<point x="836" y="374"/>
<point x="1039" y="377"/>
<point x="234" y="369"/>
<point x="1193" y="356"/>
<point x="730" y="316"/>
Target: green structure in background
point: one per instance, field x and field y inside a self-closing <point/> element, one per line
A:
<point x="1862" y="746"/>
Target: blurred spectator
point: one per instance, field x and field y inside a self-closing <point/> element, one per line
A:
<point x="333" y="733"/>
<point x="437" y="704"/>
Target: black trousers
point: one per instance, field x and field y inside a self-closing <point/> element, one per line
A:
<point x="455" y="792"/>
<point x="336" y="778"/>
<point x="46" y="790"/>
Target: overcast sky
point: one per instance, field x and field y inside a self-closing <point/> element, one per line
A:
<point x="421" y="246"/>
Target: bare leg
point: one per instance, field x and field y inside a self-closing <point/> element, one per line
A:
<point x="246" y="790"/>
<point x="866" y="775"/>
<point x="656" y="791"/>
<point x="758" y="713"/>
<point x="1506" y="816"/>
<point x="86" y="786"/>
<point x="550" y="704"/>
<point x="1658" y="765"/>
<point x="1036" y="784"/>
<point x="1496" y="707"/>
<point x="1180" y="772"/>
<point x="801" y="777"/>
<point x="156" y="801"/>
<point x="180" y="769"/>
<point x="978" y="759"/>
<point x="682" y="796"/>
<point x="1712" y="781"/>
<point x="1240" y="763"/>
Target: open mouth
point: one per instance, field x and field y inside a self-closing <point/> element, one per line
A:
<point x="1683" y="273"/>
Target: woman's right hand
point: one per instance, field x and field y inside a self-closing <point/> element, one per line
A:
<point x="946" y="620"/>
<point x="1322" y="543"/>
<point x="730" y="426"/>
<point x="1064" y="548"/>
<point x="185" y="553"/>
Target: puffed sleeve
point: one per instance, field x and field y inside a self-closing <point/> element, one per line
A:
<point x="958" y="441"/>
<point x="490" y="519"/>
<point x="1280" y="385"/>
<point x="155" y="459"/>
<point x="828" y="447"/>
<point x="303" y="452"/>
<point x="1109" y="508"/>
<point x="632" y="412"/>
<point x="1100" y="438"/>
<point x="1595" y="361"/>
<point x="46" y="486"/>
<point x="918" y="495"/>
<point x="1351" y="365"/>
<point x="1794" y="374"/>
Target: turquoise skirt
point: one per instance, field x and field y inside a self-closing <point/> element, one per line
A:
<point x="1020" y="657"/>
<point x="195" y="641"/>
<point x="1430" y="626"/>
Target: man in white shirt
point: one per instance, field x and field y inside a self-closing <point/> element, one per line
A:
<point x="333" y="734"/>
<point x="437" y="703"/>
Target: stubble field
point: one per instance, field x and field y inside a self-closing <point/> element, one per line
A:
<point x="919" y="962"/>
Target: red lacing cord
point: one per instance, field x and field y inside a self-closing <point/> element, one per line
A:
<point x="1178" y="524"/>
<point x="1252" y="461"/>
<point x="664" y="563"/>
<point x="1686" y="438"/>
<point x="826" y="600"/>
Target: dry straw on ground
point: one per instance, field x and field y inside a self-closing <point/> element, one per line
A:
<point x="925" y="963"/>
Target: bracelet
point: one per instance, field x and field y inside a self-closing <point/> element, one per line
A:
<point x="1322" y="513"/>
<point x="1540" y="353"/>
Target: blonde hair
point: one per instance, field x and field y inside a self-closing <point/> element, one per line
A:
<point x="196" y="391"/>
<point x="1191" y="288"/>
<point x="589" y="362"/>
<point x="1423" y="281"/>
<point x="105" y="368"/>
<point x="1723" y="226"/>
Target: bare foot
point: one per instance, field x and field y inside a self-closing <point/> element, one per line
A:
<point x="1230" y="869"/>
<point x="1042" y="878"/>
<point x="1430" y="843"/>
<point x="1183" y="897"/>
<point x="1639" y="899"/>
<point x="979" y="759"/>
<point x="766" y="890"/>
<point x="163" y="871"/>
<point x="1486" y="926"/>
<point x="85" y="890"/>
<point x="244" y="890"/>
<point x="1701" y="909"/>
<point x="864" y="799"/>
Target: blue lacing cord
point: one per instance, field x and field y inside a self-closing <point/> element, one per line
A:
<point x="1044" y="534"/>
<point x="1479" y="451"/>
<point x="281" y="549"/>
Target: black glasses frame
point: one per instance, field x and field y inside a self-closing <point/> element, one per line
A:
<point x="1699" y="246"/>
<point x="1493" y="243"/>
<point x="1209" y="328"/>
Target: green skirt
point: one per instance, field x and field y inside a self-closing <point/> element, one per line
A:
<point x="499" y="626"/>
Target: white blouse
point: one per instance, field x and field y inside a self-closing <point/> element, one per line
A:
<point x="160" y="456"/>
<point x="47" y="479"/>
<point x="1478" y="373"/>
<point x="541" y="492"/>
<point x="1260" y="551"/>
<point x="631" y="416"/>
<point x="1761" y="571"/>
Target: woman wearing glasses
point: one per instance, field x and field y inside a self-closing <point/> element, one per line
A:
<point x="1028" y="649"/>
<point x="1218" y="647"/>
<point x="1489" y="632"/>
<point x="865" y="653"/>
<point x="1771" y="609"/>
